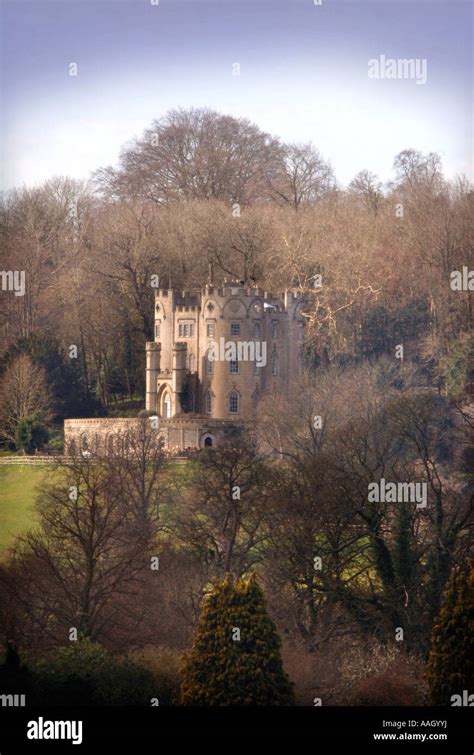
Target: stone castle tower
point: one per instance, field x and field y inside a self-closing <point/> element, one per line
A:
<point x="218" y="349"/>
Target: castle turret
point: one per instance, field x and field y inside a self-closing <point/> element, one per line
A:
<point x="153" y="360"/>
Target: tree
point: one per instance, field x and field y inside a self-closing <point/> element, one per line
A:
<point x="84" y="565"/>
<point x="450" y="668"/>
<point x="384" y="563"/>
<point x="23" y="392"/>
<point x="235" y="657"/>
<point x="43" y="230"/>
<point x="194" y="154"/>
<point x="220" y="516"/>
<point x="303" y="176"/>
<point x="368" y="187"/>
<point x="136" y="461"/>
<point x="31" y="434"/>
<point x="414" y="169"/>
<point x="68" y="394"/>
<point x="15" y="677"/>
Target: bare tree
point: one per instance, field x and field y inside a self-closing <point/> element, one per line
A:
<point x="303" y="177"/>
<point x="219" y="518"/>
<point x="23" y="392"/>
<point x="194" y="154"/>
<point x="368" y="187"/>
<point x="383" y="563"/>
<point x="86" y="564"/>
<point x="414" y="169"/>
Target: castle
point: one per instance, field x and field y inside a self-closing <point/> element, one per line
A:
<point x="215" y="352"/>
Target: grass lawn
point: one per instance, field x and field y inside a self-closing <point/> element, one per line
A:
<point x="18" y="487"/>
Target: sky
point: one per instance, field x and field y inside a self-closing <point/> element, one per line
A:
<point x="304" y="76"/>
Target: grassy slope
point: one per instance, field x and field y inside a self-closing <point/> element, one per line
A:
<point x="18" y="487"/>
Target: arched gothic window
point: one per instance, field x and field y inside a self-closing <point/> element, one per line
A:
<point x="166" y="405"/>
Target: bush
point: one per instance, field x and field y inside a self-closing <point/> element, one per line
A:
<point x="164" y="664"/>
<point x="84" y="673"/>
<point x="382" y="674"/>
<point x="223" y="670"/>
<point x="391" y="687"/>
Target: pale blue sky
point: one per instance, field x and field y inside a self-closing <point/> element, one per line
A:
<point x="303" y="77"/>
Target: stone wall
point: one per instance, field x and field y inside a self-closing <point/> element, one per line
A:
<point x="179" y="433"/>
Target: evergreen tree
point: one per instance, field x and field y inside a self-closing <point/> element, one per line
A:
<point x="235" y="657"/>
<point x="31" y="433"/>
<point x="451" y="660"/>
<point x="14" y="675"/>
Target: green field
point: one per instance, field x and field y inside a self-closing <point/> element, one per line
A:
<point x="18" y="487"/>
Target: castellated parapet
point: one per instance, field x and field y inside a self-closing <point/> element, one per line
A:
<point x="216" y="352"/>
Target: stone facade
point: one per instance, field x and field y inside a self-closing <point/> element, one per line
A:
<point x="216" y="351"/>
<point x="183" y="373"/>
<point x="99" y="435"/>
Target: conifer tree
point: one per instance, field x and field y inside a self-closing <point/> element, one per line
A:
<point x="451" y="660"/>
<point x="235" y="657"/>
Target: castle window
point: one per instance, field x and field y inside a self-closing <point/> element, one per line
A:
<point x="208" y="402"/>
<point x="186" y="330"/>
<point x="157" y="329"/>
<point x="209" y="365"/>
<point x="274" y="330"/>
<point x="167" y="406"/>
<point x="235" y="329"/>
<point x="274" y="363"/>
<point x="210" y="329"/>
<point x="234" y="367"/>
<point x="234" y="402"/>
<point x="190" y="362"/>
<point x="256" y="330"/>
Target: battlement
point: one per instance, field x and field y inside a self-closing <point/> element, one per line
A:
<point x="190" y="301"/>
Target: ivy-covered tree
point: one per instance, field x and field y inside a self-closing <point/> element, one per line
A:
<point x="451" y="660"/>
<point x="235" y="657"/>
